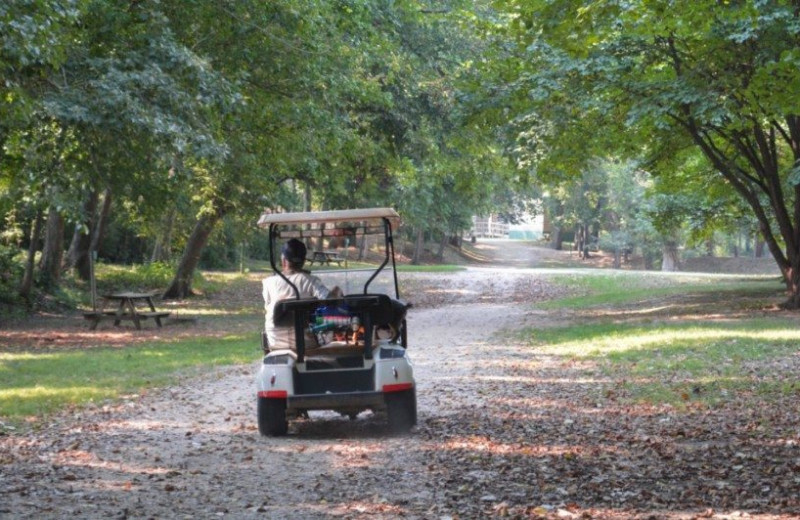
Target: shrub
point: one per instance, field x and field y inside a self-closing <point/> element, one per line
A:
<point x="10" y="275"/>
<point x="140" y="277"/>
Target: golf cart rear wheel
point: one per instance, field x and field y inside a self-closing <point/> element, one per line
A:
<point x="272" y="417"/>
<point x="401" y="409"/>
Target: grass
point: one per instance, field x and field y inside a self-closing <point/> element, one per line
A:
<point x="673" y="363"/>
<point x="698" y="358"/>
<point x="38" y="384"/>
<point x="35" y="384"/>
<point x="620" y="287"/>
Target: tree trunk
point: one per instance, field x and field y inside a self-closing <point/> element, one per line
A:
<point x="579" y="240"/>
<point x="442" y="245"/>
<point x="27" y="278"/>
<point x="78" y="255"/>
<point x="648" y="261"/>
<point x="556" y="239"/>
<point x="162" y="251"/>
<point x="758" y="251"/>
<point x="419" y="243"/>
<point x="307" y="197"/>
<point x="617" y="258"/>
<point x="793" y="288"/>
<point x="53" y="250"/>
<point x="671" y="258"/>
<point x="181" y="286"/>
<point x="99" y="227"/>
<point x="362" y="247"/>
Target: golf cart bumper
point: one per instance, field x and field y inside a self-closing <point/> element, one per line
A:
<point x="372" y="400"/>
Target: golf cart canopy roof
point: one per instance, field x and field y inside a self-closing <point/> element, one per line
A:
<point x="343" y="215"/>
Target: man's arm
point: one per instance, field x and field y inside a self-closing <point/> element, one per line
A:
<point x="322" y="292"/>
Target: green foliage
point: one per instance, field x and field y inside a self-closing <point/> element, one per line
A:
<point x="625" y="78"/>
<point x="139" y="277"/>
<point x="187" y="111"/>
<point x="10" y="274"/>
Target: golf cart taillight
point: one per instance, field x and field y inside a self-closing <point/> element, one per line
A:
<point x="399" y="387"/>
<point x="274" y="394"/>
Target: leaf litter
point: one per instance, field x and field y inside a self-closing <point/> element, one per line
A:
<point x="504" y="432"/>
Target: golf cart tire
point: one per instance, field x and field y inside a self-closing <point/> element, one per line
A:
<point x="401" y="410"/>
<point x="272" y="417"/>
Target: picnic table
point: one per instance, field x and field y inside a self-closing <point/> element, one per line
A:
<point x="128" y="308"/>
<point x="326" y="257"/>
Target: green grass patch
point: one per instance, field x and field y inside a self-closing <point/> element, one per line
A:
<point x="38" y="384"/>
<point x="445" y="268"/>
<point x="619" y="288"/>
<point x="677" y="362"/>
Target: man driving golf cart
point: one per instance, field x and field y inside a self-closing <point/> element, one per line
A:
<point x="277" y="288"/>
<point x="341" y="350"/>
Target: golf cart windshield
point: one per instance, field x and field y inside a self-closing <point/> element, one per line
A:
<point x="351" y="249"/>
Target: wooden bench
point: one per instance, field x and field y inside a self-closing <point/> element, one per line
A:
<point x="326" y="257"/>
<point x="97" y="316"/>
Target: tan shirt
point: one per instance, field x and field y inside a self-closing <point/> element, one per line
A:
<point x="275" y="290"/>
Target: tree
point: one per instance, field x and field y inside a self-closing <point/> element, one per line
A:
<point x="102" y="98"/>
<point x="722" y="76"/>
<point x="278" y="58"/>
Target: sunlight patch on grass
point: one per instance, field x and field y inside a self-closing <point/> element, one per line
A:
<point x="675" y="363"/>
<point x="38" y="384"/>
<point x="40" y="399"/>
<point x="625" y="338"/>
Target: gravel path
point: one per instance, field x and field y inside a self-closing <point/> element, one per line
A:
<point x="193" y="450"/>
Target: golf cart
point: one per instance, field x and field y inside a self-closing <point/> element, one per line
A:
<point x="350" y="352"/>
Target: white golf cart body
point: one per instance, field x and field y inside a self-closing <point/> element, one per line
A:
<point x="356" y="359"/>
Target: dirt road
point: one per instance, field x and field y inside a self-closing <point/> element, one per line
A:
<point x="193" y="451"/>
<point x="503" y="432"/>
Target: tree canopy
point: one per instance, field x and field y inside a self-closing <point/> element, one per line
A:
<point x="137" y="115"/>
<point x="657" y="78"/>
<point x="177" y="122"/>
